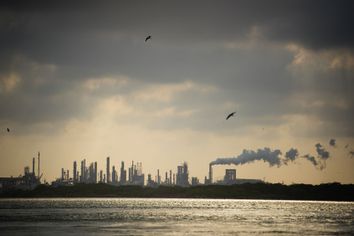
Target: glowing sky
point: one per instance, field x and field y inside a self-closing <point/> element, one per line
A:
<point x="78" y="81"/>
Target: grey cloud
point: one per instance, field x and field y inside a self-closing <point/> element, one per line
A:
<point x="94" y="39"/>
<point x="314" y="25"/>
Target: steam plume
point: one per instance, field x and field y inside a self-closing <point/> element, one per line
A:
<point x="313" y="160"/>
<point x="322" y="153"/>
<point x="274" y="157"/>
<point x="291" y="155"/>
<point x="351" y="153"/>
<point x="248" y="156"/>
<point x="332" y="142"/>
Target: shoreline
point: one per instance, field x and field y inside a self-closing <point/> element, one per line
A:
<point x="264" y="191"/>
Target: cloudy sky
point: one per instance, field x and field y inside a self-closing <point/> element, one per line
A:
<point x="78" y="81"/>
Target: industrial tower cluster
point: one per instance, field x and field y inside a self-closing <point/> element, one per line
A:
<point x="89" y="174"/>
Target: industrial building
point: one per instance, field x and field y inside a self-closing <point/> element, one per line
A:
<point x="195" y="181"/>
<point x="229" y="178"/>
<point x="136" y="176"/>
<point x="182" y="175"/>
<point x="29" y="180"/>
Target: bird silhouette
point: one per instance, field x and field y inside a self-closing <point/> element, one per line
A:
<point x="231" y="114"/>
<point x="8" y="130"/>
<point x="147" y="38"/>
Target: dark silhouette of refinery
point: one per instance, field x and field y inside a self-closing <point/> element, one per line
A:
<point x="88" y="173"/>
<point x="28" y="181"/>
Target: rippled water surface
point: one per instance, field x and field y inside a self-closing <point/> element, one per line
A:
<point x="173" y="217"/>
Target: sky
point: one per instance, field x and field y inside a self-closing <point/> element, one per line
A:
<point x="78" y="80"/>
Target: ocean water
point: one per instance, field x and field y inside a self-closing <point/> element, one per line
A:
<point x="117" y="216"/>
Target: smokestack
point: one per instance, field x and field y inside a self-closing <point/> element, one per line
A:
<point x="108" y="180"/>
<point x="211" y="173"/>
<point x="62" y="174"/>
<point x="33" y="166"/>
<point x="170" y="177"/>
<point x="95" y="172"/>
<point x="74" y="172"/>
<point x="39" y="165"/>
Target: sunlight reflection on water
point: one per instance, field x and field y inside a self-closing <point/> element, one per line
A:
<point x="107" y="216"/>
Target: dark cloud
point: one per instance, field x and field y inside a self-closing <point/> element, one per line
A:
<point x="308" y="23"/>
<point x="322" y="153"/>
<point x="90" y="39"/>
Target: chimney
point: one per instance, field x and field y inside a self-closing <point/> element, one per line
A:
<point x="108" y="179"/>
<point x="170" y="177"/>
<point x="33" y="166"/>
<point x="39" y="165"/>
<point x="210" y="173"/>
<point x="74" y="172"/>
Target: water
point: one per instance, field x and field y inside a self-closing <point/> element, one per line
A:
<point x="117" y="216"/>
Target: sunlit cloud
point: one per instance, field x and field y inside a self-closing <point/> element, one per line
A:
<point x="325" y="60"/>
<point x="9" y="82"/>
<point x="167" y="92"/>
<point x="101" y="83"/>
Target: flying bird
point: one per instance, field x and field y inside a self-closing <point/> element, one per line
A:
<point x="231" y="114"/>
<point x="8" y="130"/>
<point x="147" y="38"/>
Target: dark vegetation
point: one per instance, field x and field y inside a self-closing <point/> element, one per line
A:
<point x="330" y="191"/>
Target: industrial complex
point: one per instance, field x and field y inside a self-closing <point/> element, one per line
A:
<point x="28" y="181"/>
<point x="83" y="172"/>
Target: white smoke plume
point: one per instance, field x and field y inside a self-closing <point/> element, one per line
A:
<point x="274" y="157"/>
<point x="247" y="156"/>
